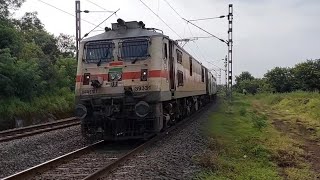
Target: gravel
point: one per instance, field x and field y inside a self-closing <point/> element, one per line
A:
<point x="20" y="154"/>
<point x="170" y="158"/>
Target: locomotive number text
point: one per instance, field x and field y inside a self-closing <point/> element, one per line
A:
<point x="89" y="91"/>
<point x="142" y="88"/>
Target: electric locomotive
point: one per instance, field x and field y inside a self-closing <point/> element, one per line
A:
<point x="133" y="82"/>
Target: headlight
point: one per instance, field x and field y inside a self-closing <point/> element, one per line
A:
<point x="112" y="76"/>
<point x="81" y="111"/>
<point x="115" y="76"/>
<point x="118" y="76"/>
<point x="142" y="109"/>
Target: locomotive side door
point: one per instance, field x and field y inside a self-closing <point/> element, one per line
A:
<point x="171" y="67"/>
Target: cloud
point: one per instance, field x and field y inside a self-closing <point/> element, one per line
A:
<point x="267" y="33"/>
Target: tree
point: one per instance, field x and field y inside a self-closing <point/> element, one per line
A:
<point x="281" y="79"/>
<point x="66" y="45"/>
<point x="10" y="37"/>
<point x="244" y="76"/>
<point x="6" y="73"/>
<point x="30" y="51"/>
<point x="251" y="86"/>
<point x="46" y="42"/>
<point x="66" y="73"/>
<point x="33" y="32"/>
<point x="27" y="79"/>
<point x="18" y="78"/>
<point x="307" y="75"/>
<point x="30" y="22"/>
<point x="6" y="5"/>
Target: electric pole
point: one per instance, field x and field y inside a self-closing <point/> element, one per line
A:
<point x="230" y="44"/>
<point x="226" y="75"/>
<point x="78" y="27"/>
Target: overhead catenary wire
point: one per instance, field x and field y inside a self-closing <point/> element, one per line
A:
<point x="160" y="18"/>
<point x="100" y="23"/>
<point x="173" y="9"/>
<point x="188" y="21"/>
<point x="187" y="25"/>
<point x="211" y="35"/>
<point x="210" y="18"/>
<point x="66" y="12"/>
<point x="200" y="50"/>
<point x="206" y="31"/>
<point x="100" y="6"/>
<point x="196" y="44"/>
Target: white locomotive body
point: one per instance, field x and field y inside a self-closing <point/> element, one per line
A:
<point x="132" y="82"/>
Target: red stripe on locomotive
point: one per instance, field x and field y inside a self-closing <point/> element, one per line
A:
<point x="128" y="75"/>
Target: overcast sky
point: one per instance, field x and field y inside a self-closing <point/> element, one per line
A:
<point x="267" y="33"/>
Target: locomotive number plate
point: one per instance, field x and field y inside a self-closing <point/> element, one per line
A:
<point x="141" y="88"/>
<point x="88" y="91"/>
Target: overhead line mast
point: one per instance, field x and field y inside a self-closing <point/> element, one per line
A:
<point x="78" y="27"/>
<point x="230" y="44"/>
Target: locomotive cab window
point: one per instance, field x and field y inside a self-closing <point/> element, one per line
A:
<point x="98" y="51"/>
<point x="179" y="56"/>
<point x="134" y="49"/>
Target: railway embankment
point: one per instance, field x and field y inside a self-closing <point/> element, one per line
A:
<point x="15" y="113"/>
<point x="266" y="136"/>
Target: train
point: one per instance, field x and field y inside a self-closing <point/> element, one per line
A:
<point x="133" y="82"/>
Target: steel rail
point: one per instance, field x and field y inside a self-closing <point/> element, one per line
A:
<point x="108" y="168"/>
<point x="36" y="170"/>
<point x="52" y="164"/>
<point x="17" y="133"/>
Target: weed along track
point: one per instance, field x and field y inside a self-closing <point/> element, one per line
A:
<point x="17" y="133"/>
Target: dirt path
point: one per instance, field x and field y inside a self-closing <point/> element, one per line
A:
<point x="297" y="130"/>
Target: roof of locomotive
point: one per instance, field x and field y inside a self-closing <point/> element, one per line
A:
<point x="132" y="29"/>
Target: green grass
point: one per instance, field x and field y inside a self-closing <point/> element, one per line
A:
<point x="60" y="105"/>
<point x="303" y="103"/>
<point x="236" y="151"/>
<point x="297" y="108"/>
<point x="243" y="144"/>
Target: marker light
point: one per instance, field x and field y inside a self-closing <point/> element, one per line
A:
<point x="86" y="78"/>
<point x="144" y="74"/>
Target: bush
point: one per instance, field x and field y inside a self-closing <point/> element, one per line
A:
<point x="259" y="121"/>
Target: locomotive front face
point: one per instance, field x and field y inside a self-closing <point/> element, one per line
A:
<point x="118" y="87"/>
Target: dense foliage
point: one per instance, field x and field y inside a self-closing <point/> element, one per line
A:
<point x="304" y="76"/>
<point x="34" y="64"/>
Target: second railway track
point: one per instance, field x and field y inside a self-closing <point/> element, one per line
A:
<point x="17" y="133"/>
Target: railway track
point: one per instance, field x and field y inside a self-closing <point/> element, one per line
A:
<point x="17" y="133"/>
<point x="94" y="161"/>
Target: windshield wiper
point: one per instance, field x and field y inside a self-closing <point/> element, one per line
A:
<point x="99" y="63"/>
<point x="134" y="61"/>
